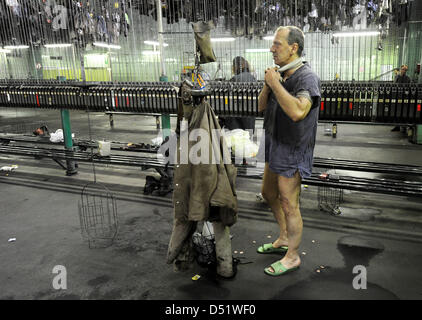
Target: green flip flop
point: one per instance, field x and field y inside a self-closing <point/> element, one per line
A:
<point x="268" y="248"/>
<point x="279" y="269"/>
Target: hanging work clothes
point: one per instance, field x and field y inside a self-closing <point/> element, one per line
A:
<point x="200" y="187"/>
<point x="204" y="191"/>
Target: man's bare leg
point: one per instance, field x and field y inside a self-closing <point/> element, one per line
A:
<point x="289" y="189"/>
<point x="270" y="193"/>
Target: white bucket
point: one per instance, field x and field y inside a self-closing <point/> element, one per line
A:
<point x="104" y="148"/>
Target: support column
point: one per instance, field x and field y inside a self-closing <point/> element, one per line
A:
<point x="68" y="142"/>
<point x="413" y="53"/>
<point x="165" y="118"/>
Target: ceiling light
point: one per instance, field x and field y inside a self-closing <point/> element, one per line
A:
<point x="222" y="39"/>
<point x="155" y="43"/>
<point x="356" y="34"/>
<point x="16" y="47"/>
<point x="268" y="38"/>
<point x="58" y="45"/>
<point x="105" y="45"/>
<point x="4" y="51"/>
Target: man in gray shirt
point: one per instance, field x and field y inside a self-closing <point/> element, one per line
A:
<point x="291" y="99"/>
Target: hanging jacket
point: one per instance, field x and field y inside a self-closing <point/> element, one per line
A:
<point x="206" y="191"/>
<point x="201" y="191"/>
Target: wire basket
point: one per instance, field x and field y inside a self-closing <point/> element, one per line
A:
<point x="98" y="215"/>
<point x="330" y="199"/>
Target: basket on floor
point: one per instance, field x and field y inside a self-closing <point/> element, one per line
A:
<point x="98" y="215"/>
<point x="330" y="198"/>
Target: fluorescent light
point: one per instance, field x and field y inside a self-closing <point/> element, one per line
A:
<point x="4" y="51"/>
<point x="257" y="50"/>
<point x="150" y="52"/>
<point x="356" y="34"/>
<point x="105" y="45"/>
<point x="16" y="47"/>
<point x="58" y="45"/>
<point x="268" y="38"/>
<point x="222" y="39"/>
<point x="155" y="43"/>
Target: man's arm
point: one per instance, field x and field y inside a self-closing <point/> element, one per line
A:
<point x="295" y="108"/>
<point x="263" y="98"/>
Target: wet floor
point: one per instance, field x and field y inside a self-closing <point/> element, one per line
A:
<point x="379" y="235"/>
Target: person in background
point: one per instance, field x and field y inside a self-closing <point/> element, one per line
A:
<point x="401" y="78"/>
<point x="242" y="73"/>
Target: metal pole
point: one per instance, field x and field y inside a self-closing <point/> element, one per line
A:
<point x="420" y="74"/>
<point x="404" y="46"/>
<point x="68" y="143"/>
<point x="160" y="40"/>
<point x="165" y="118"/>
<point x="67" y="131"/>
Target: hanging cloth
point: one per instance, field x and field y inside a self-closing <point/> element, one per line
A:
<point x="203" y="41"/>
<point x="202" y="192"/>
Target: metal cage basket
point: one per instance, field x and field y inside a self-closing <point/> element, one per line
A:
<point x="98" y="215"/>
<point x="330" y="199"/>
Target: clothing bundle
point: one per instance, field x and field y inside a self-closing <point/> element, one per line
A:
<point x="203" y="191"/>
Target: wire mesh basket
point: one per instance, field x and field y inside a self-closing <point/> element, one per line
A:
<point x="330" y="198"/>
<point x="98" y="215"/>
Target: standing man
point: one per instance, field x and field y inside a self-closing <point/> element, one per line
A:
<point x="292" y="96"/>
<point x="402" y="77"/>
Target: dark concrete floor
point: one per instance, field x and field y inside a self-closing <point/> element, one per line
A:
<point x="39" y="207"/>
